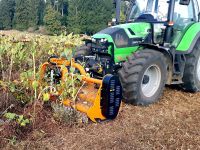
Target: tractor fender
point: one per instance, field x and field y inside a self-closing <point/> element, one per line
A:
<point x="161" y="49"/>
<point x="189" y="39"/>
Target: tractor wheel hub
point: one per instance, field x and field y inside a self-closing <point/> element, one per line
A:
<point x="151" y="80"/>
<point x="145" y="79"/>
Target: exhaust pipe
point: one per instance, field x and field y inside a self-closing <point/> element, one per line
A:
<point x="117" y="4"/>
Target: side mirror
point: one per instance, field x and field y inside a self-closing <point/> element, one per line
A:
<point x="184" y="2"/>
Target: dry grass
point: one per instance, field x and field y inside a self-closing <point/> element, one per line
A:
<point x="173" y="123"/>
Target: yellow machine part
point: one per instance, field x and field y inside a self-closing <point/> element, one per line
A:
<point x="94" y="111"/>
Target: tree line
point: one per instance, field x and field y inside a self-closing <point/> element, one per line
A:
<point x="78" y="16"/>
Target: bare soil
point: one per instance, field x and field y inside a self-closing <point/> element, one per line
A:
<point x="172" y="123"/>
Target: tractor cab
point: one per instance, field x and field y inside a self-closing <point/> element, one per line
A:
<point x="149" y="10"/>
<point x="169" y="19"/>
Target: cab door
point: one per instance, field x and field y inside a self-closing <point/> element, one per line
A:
<point x="184" y="17"/>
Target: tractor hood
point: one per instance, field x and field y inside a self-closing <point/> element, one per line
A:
<point x="125" y="35"/>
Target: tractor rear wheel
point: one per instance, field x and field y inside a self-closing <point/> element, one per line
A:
<point x="143" y="77"/>
<point x="191" y="77"/>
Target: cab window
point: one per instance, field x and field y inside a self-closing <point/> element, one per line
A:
<point x="183" y="15"/>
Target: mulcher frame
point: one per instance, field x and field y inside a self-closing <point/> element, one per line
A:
<point x="107" y="101"/>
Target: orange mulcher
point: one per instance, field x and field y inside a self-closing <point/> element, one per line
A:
<point x="97" y="103"/>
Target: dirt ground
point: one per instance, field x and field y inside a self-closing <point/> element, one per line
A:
<point x="173" y="123"/>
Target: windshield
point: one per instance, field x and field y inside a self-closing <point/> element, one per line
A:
<point x="157" y="8"/>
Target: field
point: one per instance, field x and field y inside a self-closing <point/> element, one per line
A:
<point x="172" y="123"/>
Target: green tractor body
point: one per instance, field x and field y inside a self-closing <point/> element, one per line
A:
<point x="136" y="33"/>
<point x="125" y="37"/>
<point x="158" y="44"/>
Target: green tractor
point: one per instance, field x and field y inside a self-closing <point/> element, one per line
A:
<point x="158" y="44"/>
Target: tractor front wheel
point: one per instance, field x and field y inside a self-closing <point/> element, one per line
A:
<point x="143" y="77"/>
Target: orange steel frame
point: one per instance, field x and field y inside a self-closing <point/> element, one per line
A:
<point x="93" y="112"/>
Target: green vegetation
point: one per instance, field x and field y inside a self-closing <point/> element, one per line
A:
<point x="23" y="15"/>
<point x="23" y="96"/>
<point x="20" y="57"/>
<point x="7" y="10"/>
<point x="52" y="20"/>
<point x="18" y="118"/>
<point x="78" y="16"/>
<point x="89" y="16"/>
